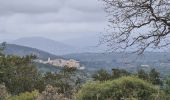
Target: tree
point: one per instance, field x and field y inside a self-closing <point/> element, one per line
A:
<point x="19" y="74"/>
<point x="117" y="73"/>
<point x="67" y="80"/>
<point x="2" y="47"/>
<point x="138" y="24"/>
<point x="154" y="77"/>
<point x="142" y="74"/>
<point x="101" y="75"/>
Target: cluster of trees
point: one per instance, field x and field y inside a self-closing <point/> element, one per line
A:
<point x="20" y="78"/>
<point x="103" y="75"/>
<point x="152" y="76"/>
<point x="19" y="75"/>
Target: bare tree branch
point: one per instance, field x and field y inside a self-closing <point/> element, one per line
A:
<point x="137" y="24"/>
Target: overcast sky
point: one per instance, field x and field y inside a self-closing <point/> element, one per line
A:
<point x="56" y="19"/>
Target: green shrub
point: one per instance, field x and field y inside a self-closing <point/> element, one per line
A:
<point x="25" y="96"/>
<point x="124" y="88"/>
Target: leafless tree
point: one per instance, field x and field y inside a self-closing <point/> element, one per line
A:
<point x="137" y="24"/>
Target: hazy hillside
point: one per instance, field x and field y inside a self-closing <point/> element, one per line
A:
<point x="131" y="62"/>
<point x="87" y="44"/>
<point x="45" y="44"/>
<point x="126" y="57"/>
<point x="23" y="50"/>
<point x="77" y="45"/>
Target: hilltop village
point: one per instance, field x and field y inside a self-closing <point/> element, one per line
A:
<point x="71" y="63"/>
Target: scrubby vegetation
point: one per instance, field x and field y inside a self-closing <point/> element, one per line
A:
<point x="25" y="96"/>
<point x="21" y="80"/>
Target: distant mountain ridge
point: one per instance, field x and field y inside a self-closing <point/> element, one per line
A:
<point x="13" y="49"/>
<point x="79" y="45"/>
<point x="48" y="45"/>
<point x="87" y="44"/>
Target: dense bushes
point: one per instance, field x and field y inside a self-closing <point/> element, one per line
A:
<point x="25" y="96"/>
<point x="126" y="88"/>
<point x="51" y="93"/>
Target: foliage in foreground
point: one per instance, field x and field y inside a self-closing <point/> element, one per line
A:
<point x="51" y="93"/>
<point x="3" y="92"/>
<point x="25" y="96"/>
<point x="126" y="88"/>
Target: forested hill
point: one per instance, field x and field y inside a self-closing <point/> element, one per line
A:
<point x="13" y="49"/>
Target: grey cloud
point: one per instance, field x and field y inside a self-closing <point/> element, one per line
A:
<point x="86" y="5"/>
<point x="42" y="6"/>
<point x="59" y="28"/>
<point x="30" y="6"/>
<point x="57" y="18"/>
<point x="65" y="15"/>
